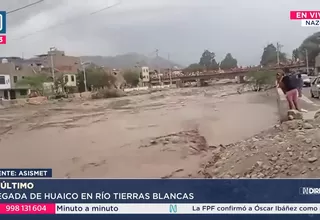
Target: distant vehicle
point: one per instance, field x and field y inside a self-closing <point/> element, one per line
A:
<point x="306" y="80"/>
<point x="315" y="88"/>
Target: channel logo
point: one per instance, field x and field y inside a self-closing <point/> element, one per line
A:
<point x="3" y="22"/>
<point x="173" y="209"/>
<point x="309" y="191"/>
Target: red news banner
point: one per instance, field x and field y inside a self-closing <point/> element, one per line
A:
<point x="3" y="39"/>
<point x="305" y="15"/>
<point x="27" y="209"/>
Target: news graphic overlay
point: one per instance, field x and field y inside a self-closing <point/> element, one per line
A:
<point x="308" y="18"/>
<point x="25" y="173"/>
<point x="3" y="27"/>
<point x="147" y="198"/>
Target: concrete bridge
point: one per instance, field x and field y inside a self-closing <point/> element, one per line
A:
<point x="209" y="76"/>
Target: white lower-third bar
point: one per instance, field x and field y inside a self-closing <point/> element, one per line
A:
<point x="310" y="23"/>
<point x="149" y="208"/>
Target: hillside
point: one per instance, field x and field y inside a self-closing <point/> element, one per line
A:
<point x="130" y="60"/>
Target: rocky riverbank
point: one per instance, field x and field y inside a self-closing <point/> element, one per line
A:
<point x="289" y="150"/>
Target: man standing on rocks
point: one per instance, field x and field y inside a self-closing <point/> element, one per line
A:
<point x="289" y="86"/>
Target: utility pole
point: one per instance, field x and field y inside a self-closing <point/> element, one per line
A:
<point x="84" y="75"/>
<point x="157" y="54"/>
<point x="170" y="70"/>
<point x="54" y="89"/>
<point x="307" y="61"/>
<point x="279" y="46"/>
<point x="52" y="65"/>
<point x="138" y="67"/>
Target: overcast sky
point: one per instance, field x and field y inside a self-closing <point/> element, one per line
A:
<point x="183" y="28"/>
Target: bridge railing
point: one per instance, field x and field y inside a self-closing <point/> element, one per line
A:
<point x="174" y="77"/>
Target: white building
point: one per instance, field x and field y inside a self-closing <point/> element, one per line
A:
<point x="70" y="80"/>
<point x="145" y="74"/>
<point x="5" y="84"/>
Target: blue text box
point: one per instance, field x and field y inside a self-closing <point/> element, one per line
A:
<point x="203" y="191"/>
<point x="3" y="22"/>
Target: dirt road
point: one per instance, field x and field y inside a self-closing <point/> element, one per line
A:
<point x="164" y="134"/>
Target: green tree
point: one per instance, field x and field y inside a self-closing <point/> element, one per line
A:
<point x="228" y="62"/>
<point x="59" y="85"/>
<point x="132" y="77"/>
<point x="97" y="78"/>
<point x="208" y="60"/>
<point x="296" y="54"/>
<point x="35" y="82"/>
<point x="312" y="45"/>
<point x="194" y="67"/>
<point x="269" y="56"/>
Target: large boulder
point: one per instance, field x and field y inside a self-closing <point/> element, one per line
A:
<point x="107" y="93"/>
<point x="86" y="95"/>
<point x="37" y="100"/>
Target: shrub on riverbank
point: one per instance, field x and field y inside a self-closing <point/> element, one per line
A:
<point x="262" y="80"/>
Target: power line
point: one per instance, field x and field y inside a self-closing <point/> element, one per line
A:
<point x="105" y="8"/>
<point x="26" y="6"/>
<point x="68" y="20"/>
